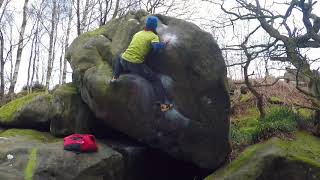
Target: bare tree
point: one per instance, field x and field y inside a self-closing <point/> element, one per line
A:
<point x="29" y="84"/>
<point x="3" y="23"/>
<point x="84" y="17"/>
<point x="78" y="18"/>
<point x="82" y="22"/>
<point x="116" y="9"/>
<point x="152" y="5"/>
<point x="20" y="48"/>
<point x="61" y="62"/>
<point x="105" y="7"/>
<point x="10" y="54"/>
<point x="289" y="40"/>
<point x="1" y="65"/>
<point x="51" y="43"/>
<point x="38" y="13"/>
<point x="66" y="44"/>
<point x="36" y="55"/>
<point x="251" y="57"/>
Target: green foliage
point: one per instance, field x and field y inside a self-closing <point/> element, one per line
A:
<point x="306" y="114"/>
<point x="244" y="98"/>
<point x="279" y="120"/>
<point x="243" y="128"/>
<point x="241" y="136"/>
<point x="7" y="111"/>
<point x="250" y="128"/>
<point x="28" y="171"/>
<point x="275" y="100"/>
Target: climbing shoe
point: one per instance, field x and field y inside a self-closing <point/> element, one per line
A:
<point x="113" y="80"/>
<point x="165" y="107"/>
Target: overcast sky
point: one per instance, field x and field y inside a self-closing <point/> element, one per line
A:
<point x="203" y="13"/>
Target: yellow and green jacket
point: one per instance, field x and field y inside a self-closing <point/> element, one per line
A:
<point x="141" y="44"/>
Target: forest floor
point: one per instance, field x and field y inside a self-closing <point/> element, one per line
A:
<point x="287" y="110"/>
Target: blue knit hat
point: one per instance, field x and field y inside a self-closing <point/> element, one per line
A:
<point x="152" y="22"/>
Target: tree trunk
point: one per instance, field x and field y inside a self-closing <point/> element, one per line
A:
<point x="20" y="48"/>
<point x="101" y="13"/>
<point x="1" y="65"/>
<point x="253" y="91"/>
<point x="258" y="96"/>
<point x="66" y="44"/>
<point x="84" y="17"/>
<point x="116" y="9"/>
<point x="29" y="85"/>
<point x="61" y="64"/>
<point x="51" y="43"/>
<point x="10" y="54"/>
<point x="36" y="54"/>
<point x="78" y="18"/>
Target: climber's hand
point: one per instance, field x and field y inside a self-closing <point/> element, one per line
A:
<point x="166" y="41"/>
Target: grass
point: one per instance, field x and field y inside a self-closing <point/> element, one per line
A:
<point x="250" y="129"/>
<point x="279" y="120"/>
<point x="242" y="128"/>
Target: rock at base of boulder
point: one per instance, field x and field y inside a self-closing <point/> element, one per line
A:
<point x="28" y="157"/>
<point x="30" y="111"/>
<point x="71" y="114"/>
<point x="277" y="160"/>
<point x="145" y="163"/>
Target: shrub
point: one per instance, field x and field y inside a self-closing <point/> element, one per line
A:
<point x="244" y="98"/>
<point x="241" y="136"/>
<point x="279" y="121"/>
<point x="35" y="87"/>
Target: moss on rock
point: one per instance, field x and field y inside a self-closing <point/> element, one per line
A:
<point x="66" y="89"/>
<point x="29" y="134"/>
<point x="275" y="100"/>
<point x="258" y="160"/>
<point x="7" y="111"/>
<point x="28" y="172"/>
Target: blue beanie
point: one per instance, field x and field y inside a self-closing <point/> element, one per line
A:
<point x="152" y="22"/>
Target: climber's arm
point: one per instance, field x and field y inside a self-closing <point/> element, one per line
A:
<point x="157" y="46"/>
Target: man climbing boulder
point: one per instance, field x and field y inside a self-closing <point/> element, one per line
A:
<point x="144" y="43"/>
<point x="192" y="71"/>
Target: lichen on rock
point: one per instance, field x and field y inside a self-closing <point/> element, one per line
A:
<point x="29" y="134"/>
<point x="276" y="159"/>
<point x="7" y="111"/>
<point x="28" y="171"/>
<point x="71" y="114"/>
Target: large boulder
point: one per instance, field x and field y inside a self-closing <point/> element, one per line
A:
<point x="193" y="72"/>
<point x="63" y="112"/>
<point x="30" y="111"/>
<point x="71" y="114"/>
<point x="28" y="154"/>
<point x="277" y="160"/>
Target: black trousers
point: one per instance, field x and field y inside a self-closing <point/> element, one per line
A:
<point x="144" y="71"/>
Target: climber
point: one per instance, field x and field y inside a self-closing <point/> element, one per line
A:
<point x="132" y="60"/>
